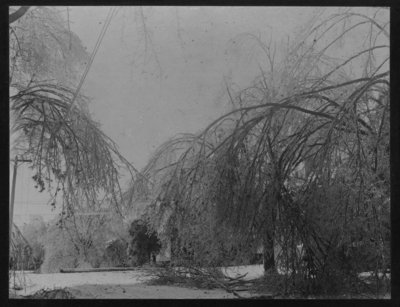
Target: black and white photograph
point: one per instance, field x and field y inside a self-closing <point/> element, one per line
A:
<point x="199" y="152"/>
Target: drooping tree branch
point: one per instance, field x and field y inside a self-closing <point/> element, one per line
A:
<point x="293" y="168"/>
<point x="17" y="14"/>
<point x="69" y="151"/>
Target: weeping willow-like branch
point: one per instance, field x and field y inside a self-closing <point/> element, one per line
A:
<point x="69" y="153"/>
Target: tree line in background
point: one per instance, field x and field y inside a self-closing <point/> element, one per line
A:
<point x="86" y="242"/>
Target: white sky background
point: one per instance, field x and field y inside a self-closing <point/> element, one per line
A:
<point x="141" y="98"/>
<point x="140" y="105"/>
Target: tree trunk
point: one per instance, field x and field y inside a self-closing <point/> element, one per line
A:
<point x="268" y="253"/>
<point x="17" y="14"/>
<point x="268" y="242"/>
<point x="174" y="245"/>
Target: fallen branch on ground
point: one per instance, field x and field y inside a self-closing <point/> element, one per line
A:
<point x="203" y="278"/>
<point x="70" y="270"/>
<point x="57" y="293"/>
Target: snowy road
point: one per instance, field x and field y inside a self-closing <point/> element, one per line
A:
<point x="129" y="284"/>
<point x="35" y="282"/>
<point x="125" y="284"/>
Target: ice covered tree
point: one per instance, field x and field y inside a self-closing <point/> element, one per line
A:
<point x="303" y="158"/>
<point x="50" y="119"/>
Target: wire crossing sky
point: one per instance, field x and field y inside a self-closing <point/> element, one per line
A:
<point x="94" y="52"/>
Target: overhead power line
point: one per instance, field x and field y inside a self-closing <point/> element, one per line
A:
<point x="103" y="31"/>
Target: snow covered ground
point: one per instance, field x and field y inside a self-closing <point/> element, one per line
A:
<point x="112" y="285"/>
<point x="252" y="271"/>
<point x="35" y="282"/>
<point x="128" y="284"/>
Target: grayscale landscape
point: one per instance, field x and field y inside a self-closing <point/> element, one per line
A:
<point x="185" y="152"/>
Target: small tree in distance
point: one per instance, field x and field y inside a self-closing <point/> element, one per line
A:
<point x="143" y="244"/>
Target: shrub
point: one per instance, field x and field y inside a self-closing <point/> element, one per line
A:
<point x="116" y="253"/>
<point x="143" y="243"/>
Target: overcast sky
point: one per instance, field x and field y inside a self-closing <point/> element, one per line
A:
<point x="142" y="97"/>
<point x="146" y="89"/>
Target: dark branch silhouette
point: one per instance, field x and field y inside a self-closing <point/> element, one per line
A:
<point x="18" y="14"/>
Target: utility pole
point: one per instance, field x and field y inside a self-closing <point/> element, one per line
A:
<point x="16" y="160"/>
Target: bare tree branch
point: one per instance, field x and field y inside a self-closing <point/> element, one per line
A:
<point x="17" y="14"/>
